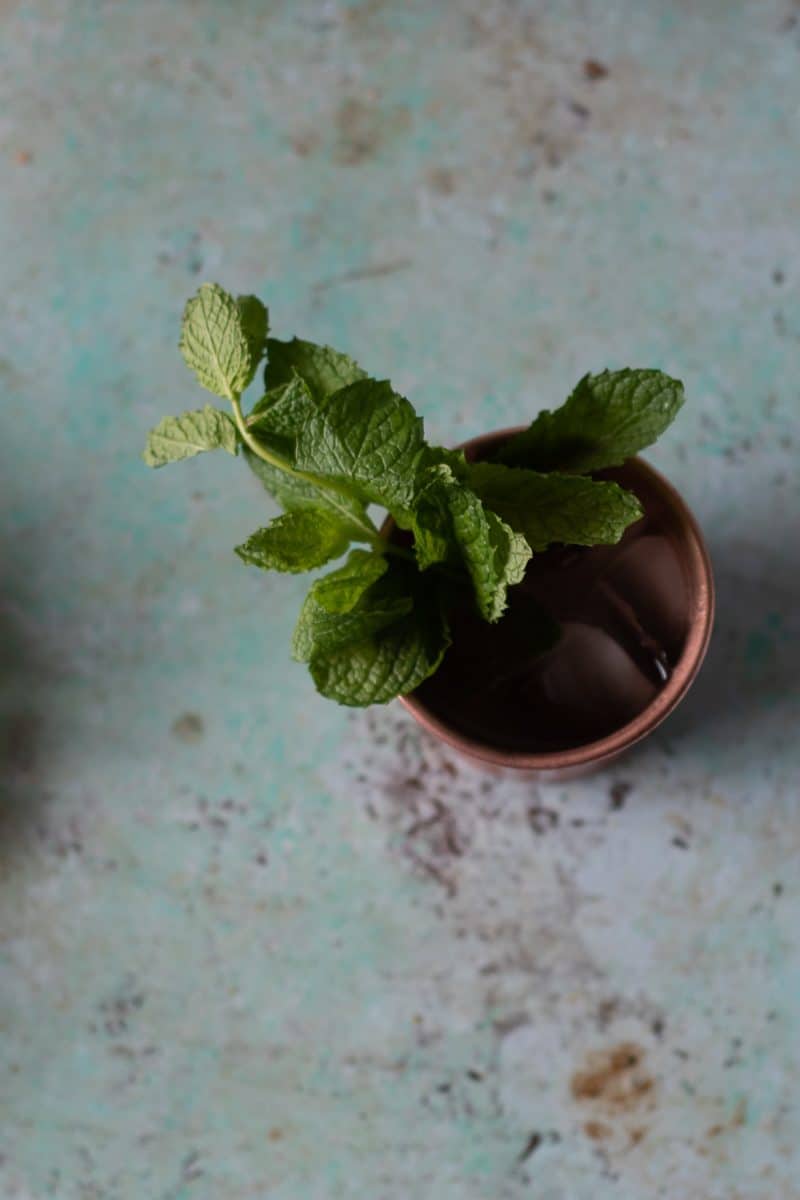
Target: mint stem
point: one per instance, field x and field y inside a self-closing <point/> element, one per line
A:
<point x="268" y="456"/>
<point x="384" y="546"/>
<point x="277" y="460"/>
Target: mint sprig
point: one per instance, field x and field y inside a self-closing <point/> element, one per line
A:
<point x="327" y="442"/>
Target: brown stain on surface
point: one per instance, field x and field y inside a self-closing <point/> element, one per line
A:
<point x="537" y="124"/>
<point x="368" y="271"/>
<point x="362" y="127"/>
<point x="441" y="180"/>
<point x="614" y="1080"/>
<point x="593" y="69"/>
<point x="304" y="144"/>
<point x="421" y="798"/>
<point x="737" y="1120"/>
<point x="189" y="727"/>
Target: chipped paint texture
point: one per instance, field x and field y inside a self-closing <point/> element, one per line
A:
<point x="252" y="945"/>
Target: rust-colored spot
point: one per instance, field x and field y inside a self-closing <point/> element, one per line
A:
<point x="638" y="1135"/>
<point x="593" y="69"/>
<point x="362" y="127"/>
<point x="737" y="1119"/>
<point x="275" y="1135"/>
<point x="614" y="1079"/>
<point x="190" y="727"/>
<point x="304" y="144"/>
<point x="442" y="180"/>
<point x="597" y="1131"/>
<point x="606" y="1011"/>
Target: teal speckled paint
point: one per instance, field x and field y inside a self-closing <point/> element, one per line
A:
<point x="252" y="945"/>
<point x="759" y="645"/>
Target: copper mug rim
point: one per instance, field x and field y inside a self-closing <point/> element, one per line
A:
<point x="700" y="622"/>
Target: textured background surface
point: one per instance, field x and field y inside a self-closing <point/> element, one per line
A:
<point x="253" y="946"/>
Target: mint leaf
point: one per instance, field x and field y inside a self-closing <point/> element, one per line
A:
<point x="175" y="438"/>
<point x="213" y="342"/>
<point x="555" y="508"/>
<point x="367" y="438"/>
<point x="607" y="418"/>
<point x="283" y="410"/>
<point x="255" y="323"/>
<point x="349" y="605"/>
<point x="325" y="370"/>
<point x="392" y="662"/>
<point x="296" y="541"/>
<point x="376" y="664"/>
<point x="342" y="590"/>
<point x="295" y="494"/>
<point x="451" y="522"/>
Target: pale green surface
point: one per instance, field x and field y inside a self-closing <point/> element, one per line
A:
<point x="236" y="961"/>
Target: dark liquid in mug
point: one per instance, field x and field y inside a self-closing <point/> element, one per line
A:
<point x="623" y="616"/>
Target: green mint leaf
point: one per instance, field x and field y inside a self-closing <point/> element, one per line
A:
<point x="175" y="438"/>
<point x="451" y="524"/>
<point x="325" y="370"/>
<point x="296" y="541"/>
<point x="213" y="342"/>
<point x="608" y="418"/>
<point x="284" y="410"/>
<point x="349" y="605"/>
<point x="377" y="664"/>
<point x="295" y="494"/>
<point x="368" y="438"/>
<point x="342" y="590"/>
<point x="255" y="324"/>
<point x="555" y="508"/>
<point x="390" y="663"/>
